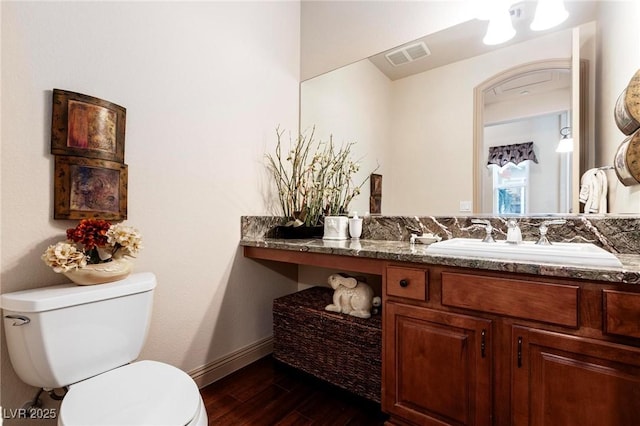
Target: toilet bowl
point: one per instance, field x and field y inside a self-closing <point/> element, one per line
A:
<point x="87" y="338"/>
<point x="141" y="393"/>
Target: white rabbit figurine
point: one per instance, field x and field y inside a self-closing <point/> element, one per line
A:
<point x="350" y="296"/>
<point x="377" y="305"/>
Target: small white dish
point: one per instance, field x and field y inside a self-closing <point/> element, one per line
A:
<point x="427" y="239"/>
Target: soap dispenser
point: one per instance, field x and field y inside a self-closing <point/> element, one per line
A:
<point x="514" y="235"/>
<point x="355" y="226"/>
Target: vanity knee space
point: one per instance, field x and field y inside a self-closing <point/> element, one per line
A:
<point x="341" y="349"/>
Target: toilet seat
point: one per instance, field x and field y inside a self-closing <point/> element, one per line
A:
<point x="141" y="393"/>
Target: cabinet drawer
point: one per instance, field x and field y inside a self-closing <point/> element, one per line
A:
<point x="407" y="282"/>
<point x="621" y="313"/>
<point x="550" y="303"/>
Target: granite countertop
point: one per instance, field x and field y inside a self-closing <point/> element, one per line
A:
<point x="403" y="251"/>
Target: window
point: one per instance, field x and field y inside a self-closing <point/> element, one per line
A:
<point x="511" y="188"/>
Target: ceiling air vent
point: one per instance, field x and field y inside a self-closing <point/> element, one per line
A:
<point x="408" y="53"/>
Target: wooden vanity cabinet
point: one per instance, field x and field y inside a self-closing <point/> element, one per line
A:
<point x="506" y="349"/>
<point x="567" y="380"/>
<point x="437" y="366"/>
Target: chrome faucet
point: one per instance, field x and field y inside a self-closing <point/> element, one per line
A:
<point x="514" y="235"/>
<point x="544" y="227"/>
<point x="488" y="238"/>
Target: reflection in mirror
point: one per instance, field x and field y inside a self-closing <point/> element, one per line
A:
<point x="528" y="104"/>
<point x="420" y="127"/>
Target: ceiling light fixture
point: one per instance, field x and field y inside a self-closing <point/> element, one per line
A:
<point x="549" y="13"/>
<point x="500" y="28"/>
<point x="499" y="13"/>
<point x="566" y="143"/>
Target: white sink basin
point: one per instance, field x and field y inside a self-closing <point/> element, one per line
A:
<point x="577" y="254"/>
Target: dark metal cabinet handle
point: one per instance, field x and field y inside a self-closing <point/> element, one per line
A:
<point x="404" y="283"/>
<point x="483" y="343"/>
<point x="519" y="352"/>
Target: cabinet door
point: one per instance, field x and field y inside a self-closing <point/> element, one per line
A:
<point x="436" y="366"/>
<point x="568" y="380"/>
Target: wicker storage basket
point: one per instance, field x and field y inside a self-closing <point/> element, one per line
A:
<point x="338" y="348"/>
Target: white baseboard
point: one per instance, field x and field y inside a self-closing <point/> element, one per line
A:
<point x="226" y="365"/>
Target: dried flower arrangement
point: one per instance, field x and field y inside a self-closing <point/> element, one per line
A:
<point x="313" y="178"/>
<point x="93" y="241"/>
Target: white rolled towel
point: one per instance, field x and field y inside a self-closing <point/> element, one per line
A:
<point x="593" y="191"/>
<point x="601" y="179"/>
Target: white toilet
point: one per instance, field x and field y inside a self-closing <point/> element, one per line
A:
<point x="85" y="338"/>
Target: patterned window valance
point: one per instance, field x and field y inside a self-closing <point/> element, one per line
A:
<point x="516" y="154"/>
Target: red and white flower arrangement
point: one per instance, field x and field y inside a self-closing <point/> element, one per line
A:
<point x="93" y="241"/>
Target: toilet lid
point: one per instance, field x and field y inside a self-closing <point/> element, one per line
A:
<point x="142" y="393"/>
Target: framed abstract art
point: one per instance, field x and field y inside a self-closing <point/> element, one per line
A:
<point x="85" y="126"/>
<point x="89" y="188"/>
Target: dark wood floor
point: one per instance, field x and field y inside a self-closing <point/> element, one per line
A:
<point x="270" y="393"/>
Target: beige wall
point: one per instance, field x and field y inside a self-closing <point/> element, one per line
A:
<point x="204" y="85"/>
<point x="352" y="104"/>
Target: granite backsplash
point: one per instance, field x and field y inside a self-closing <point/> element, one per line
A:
<point x="615" y="233"/>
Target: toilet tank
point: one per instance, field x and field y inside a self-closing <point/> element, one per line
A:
<point x="62" y="334"/>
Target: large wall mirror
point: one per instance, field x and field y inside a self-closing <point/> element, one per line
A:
<point x="421" y="121"/>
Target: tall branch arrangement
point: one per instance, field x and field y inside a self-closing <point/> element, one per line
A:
<point x="313" y="178"/>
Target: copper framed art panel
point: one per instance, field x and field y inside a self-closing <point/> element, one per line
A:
<point x="375" y="194"/>
<point x="85" y="126"/>
<point x="89" y="188"/>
